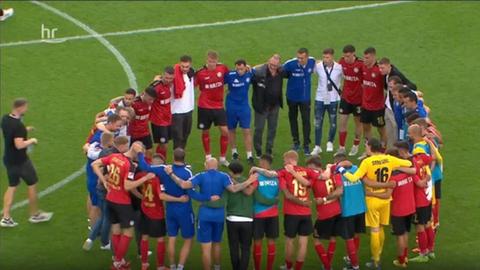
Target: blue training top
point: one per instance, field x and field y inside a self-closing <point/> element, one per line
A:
<point x="299" y="79"/>
<point x="268" y="187"/>
<point x="353" y="197"/>
<point x="237" y="89"/>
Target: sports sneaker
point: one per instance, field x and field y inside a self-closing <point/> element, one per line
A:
<point x="420" y="259"/>
<point x="224" y="162"/>
<point x="8" y="223"/>
<point x="353" y="151"/>
<point x="284" y="267"/>
<point x="400" y="265"/>
<point x="373" y="265"/>
<point x="316" y="151"/>
<point x="306" y="151"/>
<point x="87" y="245"/>
<point x="251" y="161"/>
<point x="235" y="156"/>
<point x="296" y="147"/>
<point x="431" y="255"/>
<point x="329" y="147"/>
<point x="341" y="150"/>
<point x="41" y="217"/>
<point x="7" y="13"/>
<point x="105" y="247"/>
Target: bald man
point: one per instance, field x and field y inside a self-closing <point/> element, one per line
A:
<point x="267" y="99"/>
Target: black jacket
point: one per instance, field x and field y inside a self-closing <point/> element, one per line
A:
<point x="267" y="90"/>
<point x="396" y="72"/>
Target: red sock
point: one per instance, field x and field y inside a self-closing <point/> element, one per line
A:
<point x="430" y="238"/>
<point x="115" y="242"/>
<point x="352" y="252"/>
<point x="342" y="138"/>
<point x="436" y="212"/>
<point x="144" y="250"/>
<point x="322" y="254"/>
<point x="356" y="141"/>
<point x="160" y="254"/>
<point x="401" y="259"/>
<point x="356" y="239"/>
<point x="405" y="252"/>
<point x="162" y="151"/>
<point x="298" y="265"/>
<point x="223" y="145"/>
<point x="288" y="264"/>
<point x="271" y="256"/>
<point x="257" y="256"/>
<point x="331" y="251"/>
<point x="122" y="247"/>
<point x="206" y="143"/>
<point x="422" y="242"/>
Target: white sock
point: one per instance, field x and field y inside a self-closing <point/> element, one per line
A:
<point x="234" y="150"/>
<point x="249" y="154"/>
<point x="216" y="267"/>
<point x="180" y="267"/>
<point x="208" y="156"/>
<point x="173" y="267"/>
<point x="222" y="159"/>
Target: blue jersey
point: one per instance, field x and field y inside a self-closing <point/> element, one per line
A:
<point x="353" y="197"/>
<point x="237" y="89"/>
<point x="211" y="182"/>
<point x="268" y="187"/>
<point x="299" y="79"/>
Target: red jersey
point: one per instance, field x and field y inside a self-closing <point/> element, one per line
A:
<point x="161" y="113"/>
<point x="373" y="98"/>
<point x="403" y="197"/>
<point x="151" y="205"/>
<point x="322" y="188"/>
<point x="288" y="182"/>
<point x="423" y="195"/>
<point x="120" y="170"/>
<point x="211" y="85"/>
<point x="352" y="81"/>
<point x="138" y="127"/>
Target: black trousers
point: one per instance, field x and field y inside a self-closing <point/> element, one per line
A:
<point x="293" y="109"/>
<point x="181" y="128"/>
<point x="270" y="118"/>
<point x="239" y="240"/>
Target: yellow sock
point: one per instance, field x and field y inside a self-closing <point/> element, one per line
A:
<point x="375" y="248"/>
<point x="382" y="239"/>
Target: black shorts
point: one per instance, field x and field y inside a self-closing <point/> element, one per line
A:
<point x="161" y="134"/>
<point x="297" y="225"/>
<point x="206" y="117"/>
<point x="330" y="227"/>
<point x="401" y="225"/>
<point x="438" y="189"/>
<point x="423" y="215"/>
<point x="265" y="227"/>
<point x="147" y="141"/>
<point x="154" y="228"/>
<point x="349" y="108"/>
<point x="25" y="171"/>
<point x="122" y="214"/>
<point x="352" y="225"/>
<point x="376" y="118"/>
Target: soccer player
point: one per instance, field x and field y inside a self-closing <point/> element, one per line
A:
<point x="152" y="222"/>
<point x="329" y="218"/>
<point x="299" y="73"/>
<point x="238" y="110"/>
<point x="411" y="104"/>
<point x="212" y="184"/>
<point x="239" y="219"/>
<point x="330" y="76"/>
<point x="161" y="113"/>
<point x="210" y="81"/>
<point x="183" y="102"/>
<point x="123" y="101"/>
<point x="377" y="169"/>
<point x="18" y="164"/>
<point x="373" y="100"/>
<point x="265" y="207"/>
<point x="179" y="216"/>
<point x="118" y="182"/>
<point x="351" y="99"/>
<point x="138" y="127"/>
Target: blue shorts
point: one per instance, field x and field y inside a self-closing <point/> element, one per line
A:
<point x="238" y="115"/>
<point x="179" y="220"/>
<point x="92" y="180"/>
<point x="209" y="231"/>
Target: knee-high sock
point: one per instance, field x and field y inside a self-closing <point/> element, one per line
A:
<point x="375" y="245"/>
<point x="422" y="242"/>
<point x="257" y="256"/>
<point x="206" y="143"/>
<point x="270" y="256"/>
<point x="352" y="252"/>
<point x="342" y="138"/>
<point x="122" y="247"/>
<point x="160" y="254"/>
<point x="430" y="238"/>
<point x="322" y="255"/>
<point x="162" y="151"/>
<point x="144" y="251"/>
<point x="331" y="251"/>
<point x="223" y="145"/>
<point x="356" y="239"/>
<point x="115" y="242"/>
<point x="436" y="212"/>
<point x="382" y="239"/>
<point x="298" y="265"/>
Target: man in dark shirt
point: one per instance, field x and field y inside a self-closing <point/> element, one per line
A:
<point x="267" y="99"/>
<point x="19" y="165"/>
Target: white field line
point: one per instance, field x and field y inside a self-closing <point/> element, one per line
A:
<point x="200" y="25"/>
<point x="128" y="70"/>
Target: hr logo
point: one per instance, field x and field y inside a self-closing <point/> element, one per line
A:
<point x="48" y="34"/>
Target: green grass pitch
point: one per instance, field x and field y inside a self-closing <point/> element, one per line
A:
<point x="435" y="43"/>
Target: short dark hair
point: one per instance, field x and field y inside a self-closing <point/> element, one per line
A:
<point x="240" y="62"/>
<point x="404" y="91"/>
<point x="268" y="158"/>
<point x="179" y="155"/>
<point x="338" y="157"/>
<point x="411" y="96"/>
<point x="235" y="167"/>
<point x="375" y="145"/>
<point x="402" y="145"/>
<point x="169" y="70"/>
<point x="393" y="152"/>
<point x="370" y="50"/>
<point x="186" y="58"/>
<point x="396" y="79"/>
<point x="348" y="48"/>
<point x="112" y="118"/>
<point x="19" y="102"/>
<point x="315" y="160"/>
<point x="131" y="91"/>
<point x="302" y="50"/>
<point x="384" y="61"/>
<point x="151" y="92"/>
<point x="412" y="117"/>
<point x="330" y="51"/>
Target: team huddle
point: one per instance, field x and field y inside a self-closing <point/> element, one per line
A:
<point x="134" y="193"/>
